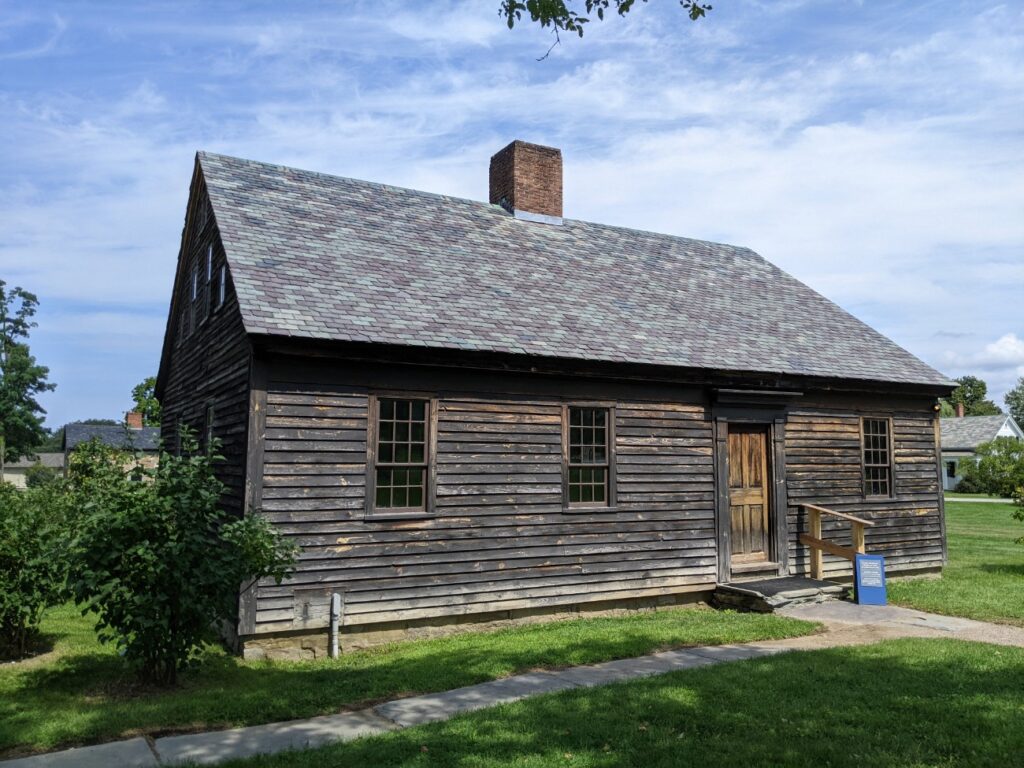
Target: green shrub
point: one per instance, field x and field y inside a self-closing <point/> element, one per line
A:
<point x="996" y="468"/>
<point x="39" y="475"/>
<point x="34" y="535"/>
<point x="159" y="561"/>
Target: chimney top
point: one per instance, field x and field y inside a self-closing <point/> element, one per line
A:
<point x="526" y="180"/>
<point x="960" y="411"/>
<point x="133" y="420"/>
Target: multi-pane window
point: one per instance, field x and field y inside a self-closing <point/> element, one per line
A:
<point x="877" y="457"/>
<point x="193" y="295"/>
<point x="588" y="456"/>
<point x="402" y="456"/>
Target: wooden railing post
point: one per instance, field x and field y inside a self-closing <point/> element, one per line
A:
<point x="814" y="523"/>
<point x="858" y="538"/>
<point x="818" y="546"/>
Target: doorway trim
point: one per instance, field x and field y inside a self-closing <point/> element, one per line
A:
<point x="771" y="414"/>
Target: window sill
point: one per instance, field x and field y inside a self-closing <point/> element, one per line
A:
<point x="585" y="510"/>
<point x="386" y="516"/>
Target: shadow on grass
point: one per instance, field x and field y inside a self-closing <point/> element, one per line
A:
<point x="1003" y="569"/>
<point x="900" y="703"/>
<point x="90" y="697"/>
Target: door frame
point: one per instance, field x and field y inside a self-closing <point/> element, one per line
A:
<point x="772" y="416"/>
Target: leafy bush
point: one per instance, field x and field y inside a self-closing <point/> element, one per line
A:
<point x="39" y="475"/>
<point x="996" y="468"/>
<point x="159" y="561"/>
<point x="34" y="533"/>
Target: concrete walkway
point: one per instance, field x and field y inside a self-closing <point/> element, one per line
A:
<point x="846" y="624"/>
<point x="979" y="501"/>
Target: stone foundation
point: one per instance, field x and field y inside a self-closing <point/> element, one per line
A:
<point x="307" y="644"/>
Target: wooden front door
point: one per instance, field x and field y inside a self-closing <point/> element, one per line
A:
<point x="749" y="493"/>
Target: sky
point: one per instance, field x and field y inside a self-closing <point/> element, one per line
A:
<point x="873" y="150"/>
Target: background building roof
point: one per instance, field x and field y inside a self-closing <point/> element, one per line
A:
<point x="53" y="460"/>
<point x="322" y="257"/>
<point x="968" y="432"/>
<point x="145" y="439"/>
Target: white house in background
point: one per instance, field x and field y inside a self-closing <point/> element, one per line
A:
<point x="961" y="437"/>
<point x="15" y="471"/>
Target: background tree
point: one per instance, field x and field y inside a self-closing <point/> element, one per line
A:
<point x="971" y="393"/>
<point x="563" y="16"/>
<point x="21" y="378"/>
<point x="1015" y="401"/>
<point x="997" y="468"/>
<point x="144" y="395"/>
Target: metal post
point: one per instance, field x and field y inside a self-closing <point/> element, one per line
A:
<point x="335" y="620"/>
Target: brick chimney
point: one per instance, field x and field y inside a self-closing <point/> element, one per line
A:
<point x="960" y="413"/>
<point x="133" y="420"/>
<point x="526" y="180"/>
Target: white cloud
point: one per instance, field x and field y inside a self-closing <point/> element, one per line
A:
<point x="881" y="162"/>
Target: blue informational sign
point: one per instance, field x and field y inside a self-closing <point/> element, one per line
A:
<point x="869" y="581"/>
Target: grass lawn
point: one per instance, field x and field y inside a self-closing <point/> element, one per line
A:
<point x="985" y="576"/>
<point x="898" y="703"/>
<point x="80" y="692"/>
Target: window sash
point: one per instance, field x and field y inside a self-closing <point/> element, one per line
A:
<point x="586" y="457"/>
<point x="877" y="457"/>
<point x="394" y="439"/>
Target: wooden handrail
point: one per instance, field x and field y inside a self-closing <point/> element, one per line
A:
<point x="843" y="515"/>
<point x="819" y="546"/>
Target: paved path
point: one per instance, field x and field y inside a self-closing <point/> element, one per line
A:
<point x="846" y="624"/>
<point x="980" y="501"/>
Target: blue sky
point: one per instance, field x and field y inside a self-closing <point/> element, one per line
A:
<point x="874" y="150"/>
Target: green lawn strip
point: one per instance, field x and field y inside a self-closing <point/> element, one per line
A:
<point x="82" y="693"/>
<point x="984" y="579"/>
<point x="896" y="703"/>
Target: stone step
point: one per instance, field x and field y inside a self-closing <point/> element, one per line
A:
<point x="767" y="595"/>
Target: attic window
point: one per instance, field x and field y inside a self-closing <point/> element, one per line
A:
<point x="222" y="285"/>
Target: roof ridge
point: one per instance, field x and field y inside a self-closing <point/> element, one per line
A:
<point x="494" y="207"/>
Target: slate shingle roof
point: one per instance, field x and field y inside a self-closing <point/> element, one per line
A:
<point x="968" y="432"/>
<point x="52" y="460"/>
<point x="324" y="257"/>
<point x="116" y="436"/>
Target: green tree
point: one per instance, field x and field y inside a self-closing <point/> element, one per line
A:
<point x="971" y="393"/>
<point x="144" y="395"/>
<point x="996" y="468"/>
<point x="1015" y="401"/>
<point x="159" y="561"/>
<point x="21" y="378"/>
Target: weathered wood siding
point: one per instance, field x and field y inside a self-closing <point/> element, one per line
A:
<point x="209" y="366"/>
<point x="500" y="540"/>
<point x="824" y="467"/>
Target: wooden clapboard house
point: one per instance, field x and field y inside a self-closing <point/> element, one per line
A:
<point x="466" y="409"/>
